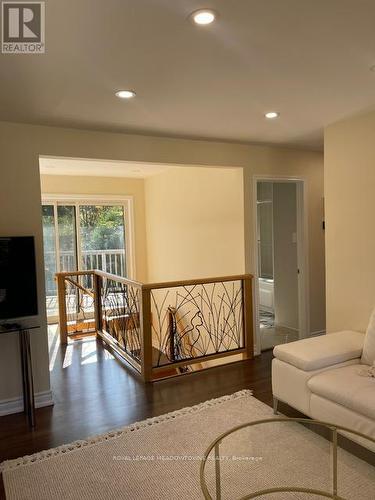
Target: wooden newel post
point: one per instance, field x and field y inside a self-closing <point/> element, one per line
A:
<point x="63" y="321"/>
<point x="146" y="334"/>
<point x="248" y="320"/>
<point x="97" y="284"/>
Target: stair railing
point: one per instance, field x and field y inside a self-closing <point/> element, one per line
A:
<point x="160" y="329"/>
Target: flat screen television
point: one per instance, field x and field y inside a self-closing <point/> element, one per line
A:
<point x="18" y="290"/>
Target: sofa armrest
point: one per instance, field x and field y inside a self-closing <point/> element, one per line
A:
<point x="320" y="352"/>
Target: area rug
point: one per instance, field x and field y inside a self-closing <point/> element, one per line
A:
<point x="160" y="458"/>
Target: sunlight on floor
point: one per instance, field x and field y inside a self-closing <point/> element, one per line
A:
<point x="85" y="348"/>
<point x="89" y="353"/>
<point x="53" y="344"/>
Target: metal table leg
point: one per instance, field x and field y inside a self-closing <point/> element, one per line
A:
<point x="27" y="377"/>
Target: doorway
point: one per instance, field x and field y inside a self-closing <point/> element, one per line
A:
<point x="281" y="315"/>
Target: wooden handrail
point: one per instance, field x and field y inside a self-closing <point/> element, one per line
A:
<point x="64" y="274"/>
<point x="156" y="286"/>
<point x="103" y="274"/>
<point x="200" y="281"/>
<point x="119" y="279"/>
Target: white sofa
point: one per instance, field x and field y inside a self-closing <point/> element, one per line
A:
<point x="324" y="378"/>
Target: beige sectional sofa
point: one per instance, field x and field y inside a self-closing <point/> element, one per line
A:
<point x="328" y="378"/>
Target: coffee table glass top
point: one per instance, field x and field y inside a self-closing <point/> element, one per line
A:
<point x="283" y="458"/>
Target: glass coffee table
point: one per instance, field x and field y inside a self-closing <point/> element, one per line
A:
<point x="282" y="459"/>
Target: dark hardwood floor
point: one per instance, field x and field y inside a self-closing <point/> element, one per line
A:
<point x="94" y="392"/>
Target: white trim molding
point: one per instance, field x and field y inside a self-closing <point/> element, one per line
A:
<point x="15" y="405"/>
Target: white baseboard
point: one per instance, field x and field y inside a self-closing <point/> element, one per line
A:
<point x="15" y="405"/>
<point x="317" y="333"/>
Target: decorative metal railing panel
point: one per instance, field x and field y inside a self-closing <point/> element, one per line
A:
<point x="161" y="329"/>
<point x="196" y="320"/>
<point x="120" y="306"/>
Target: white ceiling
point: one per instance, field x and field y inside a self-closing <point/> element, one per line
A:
<point x="99" y="168"/>
<point x="307" y="59"/>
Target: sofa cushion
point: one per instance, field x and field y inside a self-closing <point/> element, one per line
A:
<point x="346" y="387"/>
<point x="289" y="383"/>
<point x="319" y="352"/>
<point x="329" y="411"/>
<point x="368" y="355"/>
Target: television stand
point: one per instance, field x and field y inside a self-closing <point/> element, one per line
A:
<point x="26" y="364"/>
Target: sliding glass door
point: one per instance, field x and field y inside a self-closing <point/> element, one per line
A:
<point x="80" y="236"/>
<point x="102" y="238"/>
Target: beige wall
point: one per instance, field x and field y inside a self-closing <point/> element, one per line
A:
<point x="350" y="210"/>
<point x="195" y="223"/>
<point x="21" y="145"/>
<point x="65" y="184"/>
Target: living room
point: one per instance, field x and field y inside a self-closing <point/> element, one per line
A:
<point x="256" y="92"/>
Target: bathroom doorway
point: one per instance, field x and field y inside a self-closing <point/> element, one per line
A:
<point x="280" y="262"/>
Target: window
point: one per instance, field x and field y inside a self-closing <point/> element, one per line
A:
<point x="82" y="234"/>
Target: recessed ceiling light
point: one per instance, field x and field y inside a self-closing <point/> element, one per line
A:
<point x="272" y="115"/>
<point x="125" y="94"/>
<point x="203" y="16"/>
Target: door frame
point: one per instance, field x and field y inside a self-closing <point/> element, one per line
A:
<point x="302" y="254"/>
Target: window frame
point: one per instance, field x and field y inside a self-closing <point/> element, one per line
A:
<point x="126" y="201"/>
